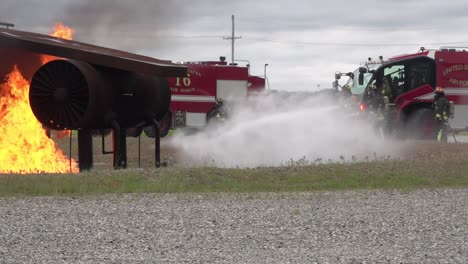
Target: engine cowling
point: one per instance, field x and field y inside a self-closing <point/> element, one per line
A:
<point x="71" y="94"/>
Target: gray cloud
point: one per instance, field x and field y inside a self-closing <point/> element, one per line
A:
<point x="284" y="34"/>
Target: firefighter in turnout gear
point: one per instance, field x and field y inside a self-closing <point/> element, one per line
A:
<point x="376" y="110"/>
<point x="376" y="98"/>
<point x="442" y="113"/>
<point x="218" y="113"/>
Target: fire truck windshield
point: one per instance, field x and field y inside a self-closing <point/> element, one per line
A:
<point x="356" y="88"/>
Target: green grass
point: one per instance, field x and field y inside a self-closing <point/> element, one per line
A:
<point x="390" y="174"/>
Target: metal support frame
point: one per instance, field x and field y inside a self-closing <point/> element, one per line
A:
<point x="123" y="148"/>
<point x="139" y="150"/>
<point x="85" y="150"/>
<point x="104" y="151"/>
<point x="119" y="140"/>
<point x="138" y="126"/>
<point x="157" y="143"/>
<point x="70" y="151"/>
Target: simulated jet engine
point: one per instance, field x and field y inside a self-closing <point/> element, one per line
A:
<point x="70" y="94"/>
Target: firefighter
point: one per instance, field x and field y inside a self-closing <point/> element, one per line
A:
<point x="376" y="110"/>
<point x="346" y="91"/>
<point x="218" y="112"/>
<point x="376" y="100"/>
<point x="441" y="108"/>
<point x="220" y="115"/>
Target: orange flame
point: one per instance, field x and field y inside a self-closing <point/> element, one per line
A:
<point x="59" y="31"/>
<point x="25" y="147"/>
<point x="62" y="133"/>
<point x="62" y="31"/>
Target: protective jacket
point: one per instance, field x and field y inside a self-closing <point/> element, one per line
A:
<point x="441" y="108"/>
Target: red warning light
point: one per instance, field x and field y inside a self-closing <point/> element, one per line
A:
<point x="362" y="107"/>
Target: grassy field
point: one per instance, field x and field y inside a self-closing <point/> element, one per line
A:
<point x="369" y="175"/>
<point x="424" y="165"/>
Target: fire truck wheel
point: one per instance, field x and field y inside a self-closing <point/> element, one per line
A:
<point x="134" y="132"/>
<point x="420" y="124"/>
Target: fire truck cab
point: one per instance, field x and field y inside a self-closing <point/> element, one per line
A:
<point x="194" y="96"/>
<point x="402" y="89"/>
<point x="355" y="88"/>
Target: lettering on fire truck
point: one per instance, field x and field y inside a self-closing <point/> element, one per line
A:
<point x="182" y="85"/>
<point x="459" y="67"/>
<point x="185" y="81"/>
<point x="458" y="82"/>
<point x="454" y="68"/>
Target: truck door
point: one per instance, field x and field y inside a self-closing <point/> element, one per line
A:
<point x="406" y="76"/>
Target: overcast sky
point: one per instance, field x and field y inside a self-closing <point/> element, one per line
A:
<point x="304" y="42"/>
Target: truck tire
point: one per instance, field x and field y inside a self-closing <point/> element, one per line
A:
<point x="164" y="129"/>
<point x="420" y="124"/>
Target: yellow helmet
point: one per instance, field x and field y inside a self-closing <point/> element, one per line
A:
<point x="439" y="90"/>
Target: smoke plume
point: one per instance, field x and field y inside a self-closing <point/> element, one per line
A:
<point x="122" y="24"/>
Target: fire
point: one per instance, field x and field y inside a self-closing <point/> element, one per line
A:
<point x="62" y="31"/>
<point x="25" y="147"/>
<point x="59" y="31"/>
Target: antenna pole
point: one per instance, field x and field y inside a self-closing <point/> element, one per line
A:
<point x="232" y="38"/>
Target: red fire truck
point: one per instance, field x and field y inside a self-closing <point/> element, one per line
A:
<point x="193" y="97"/>
<point x="406" y="86"/>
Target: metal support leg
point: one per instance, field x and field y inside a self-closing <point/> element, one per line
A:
<point x="123" y="148"/>
<point x="85" y="150"/>
<point x="139" y="151"/>
<point x="139" y="126"/>
<point x="119" y="141"/>
<point x="157" y="143"/>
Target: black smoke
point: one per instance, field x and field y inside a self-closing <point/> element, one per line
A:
<point x="122" y="24"/>
<point x="119" y="24"/>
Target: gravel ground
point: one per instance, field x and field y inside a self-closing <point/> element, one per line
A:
<point x="424" y="226"/>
